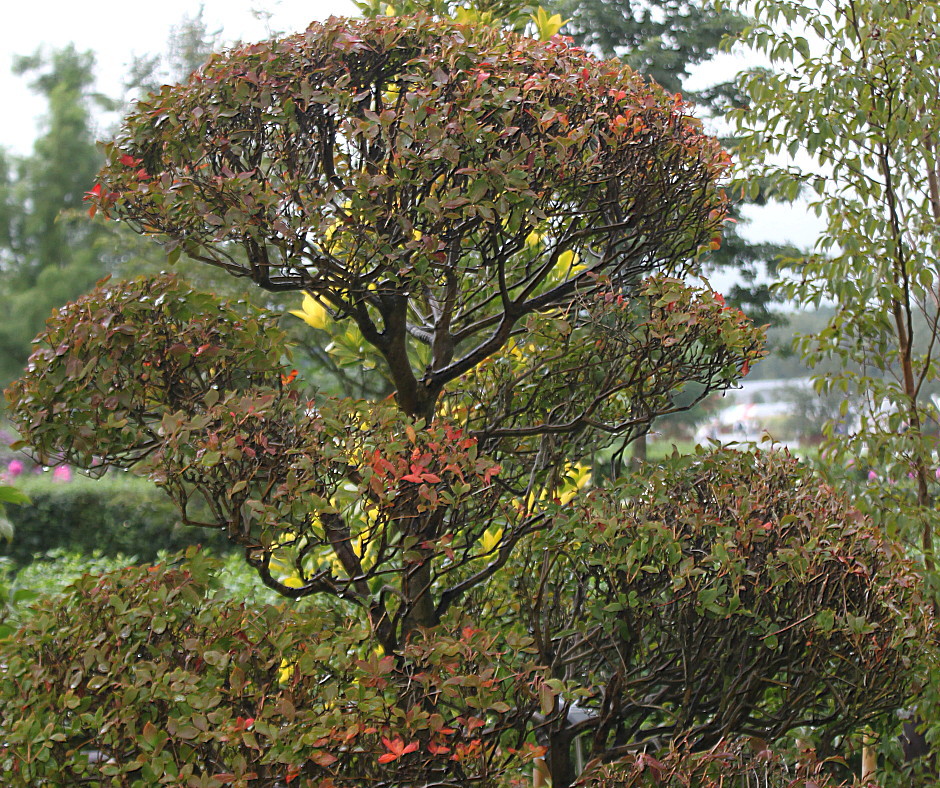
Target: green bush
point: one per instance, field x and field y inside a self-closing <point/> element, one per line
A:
<point x="146" y="677"/>
<point x="50" y="574"/>
<point x="114" y="515"/>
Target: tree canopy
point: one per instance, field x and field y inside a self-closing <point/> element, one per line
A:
<point x="379" y="176"/>
<point x="507" y="224"/>
<point x="48" y="253"/>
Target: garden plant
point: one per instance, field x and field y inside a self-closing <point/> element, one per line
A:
<point x="505" y="229"/>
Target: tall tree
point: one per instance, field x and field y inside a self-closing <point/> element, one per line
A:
<point x="189" y="46"/>
<point x="665" y="40"/>
<point x="508" y="224"/>
<point x="47" y="245"/>
<point x="854" y="90"/>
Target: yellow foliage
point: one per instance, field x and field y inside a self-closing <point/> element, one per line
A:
<point x="473" y="16"/>
<point x="491" y="539"/>
<point x="547" y="26"/>
<point x="569" y="260"/>
<point x="575" y="478"/>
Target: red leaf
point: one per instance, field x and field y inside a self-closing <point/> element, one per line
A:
<point x="489" y="473"/>
<point x="396" y="748"/>
<point x="324" y="759"/>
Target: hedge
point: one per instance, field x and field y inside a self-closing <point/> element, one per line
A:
<point x="115" y="515"/>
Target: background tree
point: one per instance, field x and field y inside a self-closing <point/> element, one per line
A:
<point x="47" y="246"/>
<point x="666" y="40"/>
<point x="508" y="224"/>
<point x="50" y="253"/>
<point x="854" y="90"/>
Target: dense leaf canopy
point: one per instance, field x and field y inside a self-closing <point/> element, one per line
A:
<point x="391" y="163"/>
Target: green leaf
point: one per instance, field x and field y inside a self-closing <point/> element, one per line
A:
<point x="13" y="495"/>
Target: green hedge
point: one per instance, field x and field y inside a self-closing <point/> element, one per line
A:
<point x="113" y="515"/>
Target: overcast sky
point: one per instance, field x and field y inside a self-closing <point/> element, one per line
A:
<point x="116" y="31"/>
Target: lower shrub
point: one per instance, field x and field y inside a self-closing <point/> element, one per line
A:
<point x="727" y="764"/>
<point x="145" y="677"/>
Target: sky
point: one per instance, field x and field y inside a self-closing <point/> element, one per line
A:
<point x="116" y="31"/>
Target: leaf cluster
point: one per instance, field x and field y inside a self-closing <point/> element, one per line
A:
<point x="727" y="592"/>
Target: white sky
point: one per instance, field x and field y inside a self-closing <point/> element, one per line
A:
<point x="116" y="31"/>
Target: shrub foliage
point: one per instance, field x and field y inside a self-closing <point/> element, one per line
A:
<point x="144" y="677"/>
<point x="507" y="226"/>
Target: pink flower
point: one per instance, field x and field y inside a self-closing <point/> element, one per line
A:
<point x="62" y="474"/>
<point x="872" y="476"/>
<point x="14" y="468"/>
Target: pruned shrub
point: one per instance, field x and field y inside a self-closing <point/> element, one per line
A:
<point x="145" y="677"/>
<point x="726" y="593"/>
<point x="735" y="763"/>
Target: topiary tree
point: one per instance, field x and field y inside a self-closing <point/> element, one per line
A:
<point x="507" y="226"/>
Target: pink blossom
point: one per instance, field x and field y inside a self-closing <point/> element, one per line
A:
<point x="14" y="468"/>
<point x="62" y="474"/>
<point x="872" y="475"/>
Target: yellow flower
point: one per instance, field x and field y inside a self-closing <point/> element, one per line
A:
<point x="491" y="539"/>
<point x="313" y="313"/>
